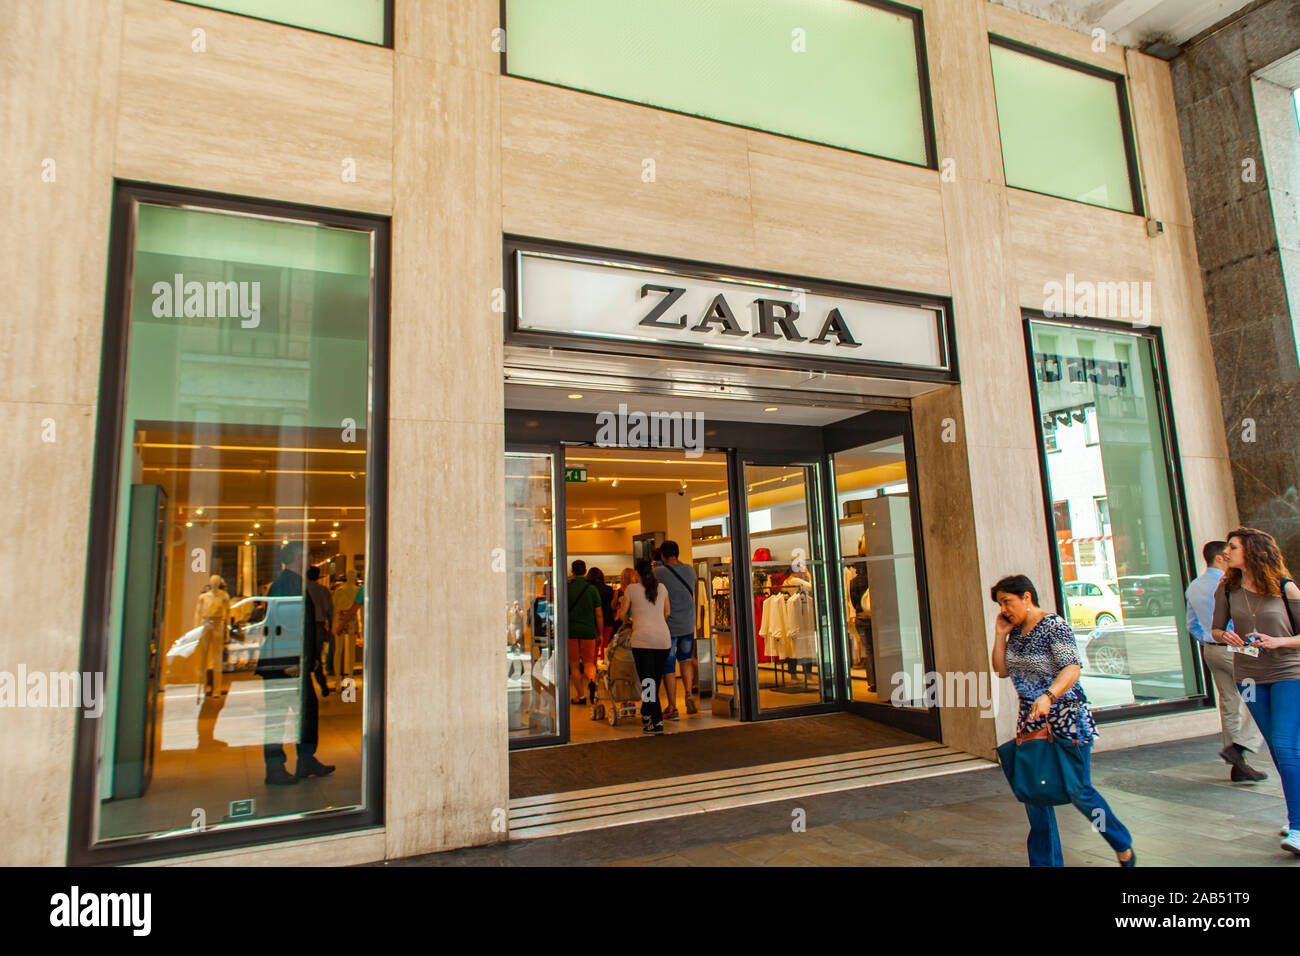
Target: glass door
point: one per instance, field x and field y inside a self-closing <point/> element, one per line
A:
<point x="535" y="663"/>
<point x="792" y="664"/>
<point x="883" y="611"/>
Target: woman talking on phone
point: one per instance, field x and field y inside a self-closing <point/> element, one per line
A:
<point x="1262" y="602"/>
<point x="1037" y="651"/>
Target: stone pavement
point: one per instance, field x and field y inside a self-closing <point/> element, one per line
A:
<point x="1175" y="798"/>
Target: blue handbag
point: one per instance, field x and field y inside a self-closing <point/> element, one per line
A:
<point x="1042" y="770"/>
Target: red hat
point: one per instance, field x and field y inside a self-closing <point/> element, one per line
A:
<point x="762" y="554"/>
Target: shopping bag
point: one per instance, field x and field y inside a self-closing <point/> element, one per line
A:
<point x="1042" y="770"/>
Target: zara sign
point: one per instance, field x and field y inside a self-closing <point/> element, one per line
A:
<point x="613" y="300"/>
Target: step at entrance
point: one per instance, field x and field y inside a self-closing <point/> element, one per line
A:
<point x="555" y="813"/>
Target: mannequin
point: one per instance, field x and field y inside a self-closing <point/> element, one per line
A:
<point x="213" y="615"/>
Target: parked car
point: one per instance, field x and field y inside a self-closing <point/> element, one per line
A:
<point x="1144" y="650"/>
<point x="265" y="628"/>
<point x="1146" y="595"/>
<point x="1092" y="604"/>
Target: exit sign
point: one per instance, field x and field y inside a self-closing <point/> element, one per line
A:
<point x="575" y="474"/>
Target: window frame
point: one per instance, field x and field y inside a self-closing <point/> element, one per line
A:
<point x="1125" y="119"/>
<point x="83" y="847"/>
<point x="922" y="74"/>
<point x="1177" y="491"/>
<point x="387" y="42"/>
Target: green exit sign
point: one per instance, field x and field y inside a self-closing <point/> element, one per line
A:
<point x="575" y="474"/>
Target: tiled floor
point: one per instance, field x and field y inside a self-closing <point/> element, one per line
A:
<point x="1174" y="797"/>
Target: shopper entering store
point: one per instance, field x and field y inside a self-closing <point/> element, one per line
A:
<point x="1262" y="603"/>
<point x="597" y="577"/>
<point x="648" y="606"/>
<point x="679" y="581"/>
<point x="1038" y="652"/>
<point x="584" y="624"/>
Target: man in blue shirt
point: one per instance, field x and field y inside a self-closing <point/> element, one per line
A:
<point x="1239" y="731"/>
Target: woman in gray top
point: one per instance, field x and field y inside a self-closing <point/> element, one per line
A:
<point x="1259" y="599"/>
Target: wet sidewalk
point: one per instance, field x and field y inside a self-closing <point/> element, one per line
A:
<point x="1174" y="797"/>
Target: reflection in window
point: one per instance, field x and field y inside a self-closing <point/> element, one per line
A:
<point x="881" y="599"/>
<point x="235" y="677"/>
<point x="1116" y="541"/>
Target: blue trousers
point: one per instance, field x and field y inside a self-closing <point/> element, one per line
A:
<point x="1045" y="842"/>
<point x="1276" y="709"/>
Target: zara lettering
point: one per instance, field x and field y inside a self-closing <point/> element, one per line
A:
<point x="772" y="314"/>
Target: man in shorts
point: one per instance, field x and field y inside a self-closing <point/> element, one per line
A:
<point x="585" y="622"/>
<point x="679" y="579"/>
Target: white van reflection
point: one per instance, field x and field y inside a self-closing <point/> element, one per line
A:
<point x="267" y="636"/>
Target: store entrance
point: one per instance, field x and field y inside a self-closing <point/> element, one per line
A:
<point x="797" y="554"/>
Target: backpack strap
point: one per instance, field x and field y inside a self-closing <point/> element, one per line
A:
<point x="574" y="602"/>
<point x="1286" y="603"/>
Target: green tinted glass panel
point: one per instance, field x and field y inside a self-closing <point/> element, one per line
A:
<point x="245" y="462"/>
<point x="832" y="71"/>
<point x="1061" y="131"/>
<point x="355" y="19"/>
<point x="1113" y="514"/>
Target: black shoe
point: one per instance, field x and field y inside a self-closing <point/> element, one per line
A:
<point x="313" y="766"/>
<point x="591" y="691"/>
<point x="280" y="778"/>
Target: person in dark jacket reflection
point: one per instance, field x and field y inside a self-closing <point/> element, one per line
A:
<point x="294" y="664"/>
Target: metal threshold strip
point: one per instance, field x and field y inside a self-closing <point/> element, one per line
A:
<point x="556" y="813"/>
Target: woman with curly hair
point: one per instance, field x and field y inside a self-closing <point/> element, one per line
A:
<point x="1259" y="599"/>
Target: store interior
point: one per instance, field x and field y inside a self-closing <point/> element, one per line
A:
<point x="620" y="503"/>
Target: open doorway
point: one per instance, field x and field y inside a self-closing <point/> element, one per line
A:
<point x="621" y="506"/>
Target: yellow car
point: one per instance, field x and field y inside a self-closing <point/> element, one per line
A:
<point x="1092" y="604"/>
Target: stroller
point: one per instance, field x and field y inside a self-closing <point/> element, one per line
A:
<point x="617" y="680"/>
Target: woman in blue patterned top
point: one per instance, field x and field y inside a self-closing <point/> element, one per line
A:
<point x="1037" y="651"/>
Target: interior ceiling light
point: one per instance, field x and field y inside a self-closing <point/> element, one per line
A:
<point x="575" y="395"/>
<point x="771" y="408"/>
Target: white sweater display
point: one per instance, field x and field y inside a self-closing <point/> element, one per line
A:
<point x="789" y="622"/>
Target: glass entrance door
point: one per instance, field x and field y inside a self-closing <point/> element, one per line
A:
<point x="535" y="661"/>
<point x="876" y="553"/>
<point x="792" y="660"/>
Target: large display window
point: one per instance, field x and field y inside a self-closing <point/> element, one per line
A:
<point x="1115" y="514"/>
<point x="237" y="523"/>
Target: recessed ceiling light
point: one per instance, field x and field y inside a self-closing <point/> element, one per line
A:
<point x="771" y="408"/>
<point x="575" y="395"/>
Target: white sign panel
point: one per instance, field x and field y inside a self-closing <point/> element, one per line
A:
<point x="614" y="300"/>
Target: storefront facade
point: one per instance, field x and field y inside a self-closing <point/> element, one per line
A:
<point x="1059" y="413"/>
